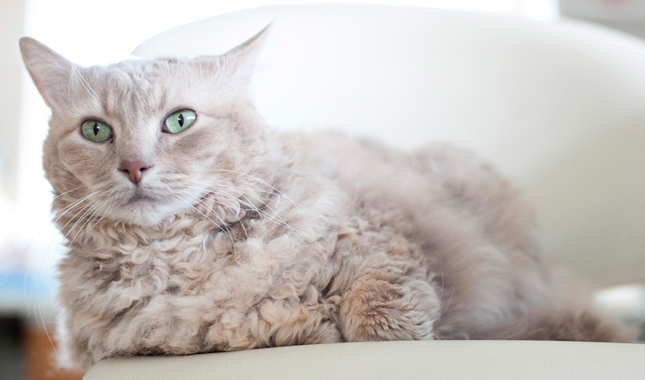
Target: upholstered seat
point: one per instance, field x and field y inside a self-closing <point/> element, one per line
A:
<point x="445" y="360"/>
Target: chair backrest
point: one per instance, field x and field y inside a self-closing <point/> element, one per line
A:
<point x="558" y="107"/>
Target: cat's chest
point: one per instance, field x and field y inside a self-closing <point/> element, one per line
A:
<point x="218" y="263"/>
<point x="186" y="265"/>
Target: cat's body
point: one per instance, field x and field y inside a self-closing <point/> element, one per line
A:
<point x="233" y="237"/>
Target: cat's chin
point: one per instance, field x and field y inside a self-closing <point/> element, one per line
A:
<point x="144" y="212"/>
<point x="139" y="217"/>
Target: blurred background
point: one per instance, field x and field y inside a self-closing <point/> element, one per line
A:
<point x="96" y="32"/>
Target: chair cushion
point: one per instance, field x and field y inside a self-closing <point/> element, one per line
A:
<point x="446" y="360"/>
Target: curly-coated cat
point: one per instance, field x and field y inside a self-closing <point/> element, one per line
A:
<point x="194" y="227"/>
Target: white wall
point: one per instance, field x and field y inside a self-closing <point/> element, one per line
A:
<point x="12" y="17"/>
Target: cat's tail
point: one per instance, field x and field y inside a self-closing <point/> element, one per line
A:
<point x="586" y="326"/>
<point x="572" y="316"/>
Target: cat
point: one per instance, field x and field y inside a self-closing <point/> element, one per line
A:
<point x="193" y="227"/>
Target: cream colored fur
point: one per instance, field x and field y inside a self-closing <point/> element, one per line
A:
<point x="240" y="238"/>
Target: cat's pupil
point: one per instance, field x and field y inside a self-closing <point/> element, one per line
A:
<point x="180" y="120"/>
<point x="96" y="129"/>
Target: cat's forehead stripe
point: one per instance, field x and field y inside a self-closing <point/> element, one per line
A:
<point x="134" y="89"/>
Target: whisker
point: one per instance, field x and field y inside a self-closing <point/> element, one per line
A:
<point x="48" y="259"/>
<point x="80" y="230"/>
<point x="263" y="182"/>
<point x="452" y="293"/>
<point x="295" y="232"/>
<point x="64" y="211"/>
<point x="224" y="206"/>
<point x="105" y="211"/>
<point x="87" y="209"/>
<point x="250" y="204"/>
<point x="219" y="226"/>
<point x="68" y="191"/>
<point x="71" y="206"/>
<point x="85" y="84"/>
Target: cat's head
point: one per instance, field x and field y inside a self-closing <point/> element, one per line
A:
<point x="141" y="140"/>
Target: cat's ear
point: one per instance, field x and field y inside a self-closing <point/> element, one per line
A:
<point x="240" y="61"/>
<point x="51" y="72"/>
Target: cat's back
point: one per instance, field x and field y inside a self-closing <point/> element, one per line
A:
<point x="435" y="176"/>
<point x="436" y="190"/>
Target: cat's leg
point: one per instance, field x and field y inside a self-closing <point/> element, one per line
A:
<point x="382" y="305"/>
<point x="274" y="323"/>
<point x="302" y="325"/>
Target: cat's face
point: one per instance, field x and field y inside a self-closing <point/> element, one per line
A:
<point x="143" y="140"/>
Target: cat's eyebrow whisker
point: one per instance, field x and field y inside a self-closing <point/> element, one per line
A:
<point x="86" y="85"/>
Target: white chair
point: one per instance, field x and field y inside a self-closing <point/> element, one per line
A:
<point x="558" y="107"/>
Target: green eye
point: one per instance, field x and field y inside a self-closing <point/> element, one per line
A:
<point x="96" y="131"/>
<point x="179" y="121"/>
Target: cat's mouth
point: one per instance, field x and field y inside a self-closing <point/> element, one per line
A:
<point x="139" y="198"/>
<point x="146" y="207"/>
<point x="142" y="208"/>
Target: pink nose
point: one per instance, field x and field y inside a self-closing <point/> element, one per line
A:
<point x="134" y="170"/>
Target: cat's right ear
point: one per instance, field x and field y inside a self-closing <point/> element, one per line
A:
<point x="50" y="71"/>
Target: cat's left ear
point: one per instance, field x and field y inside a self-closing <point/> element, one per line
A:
<point x="239" y="62"/>
<point x="51" y="72"/>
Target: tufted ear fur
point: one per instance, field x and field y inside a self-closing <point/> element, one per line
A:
<point x="52" y="73"/>
<point x="239" y="62"/>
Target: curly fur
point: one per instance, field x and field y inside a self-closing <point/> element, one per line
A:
<point x="240" y="238"/>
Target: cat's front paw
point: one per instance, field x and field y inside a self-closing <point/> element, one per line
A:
<point x="378" y="309"/>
